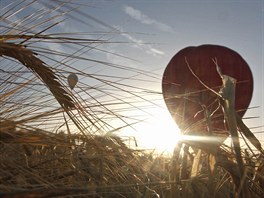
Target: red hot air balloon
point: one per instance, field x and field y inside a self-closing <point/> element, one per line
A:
<point x="187" y="99"/>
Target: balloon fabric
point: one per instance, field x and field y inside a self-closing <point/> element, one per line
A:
<point x="190" y="103"/>
<point x="72" y="80"/>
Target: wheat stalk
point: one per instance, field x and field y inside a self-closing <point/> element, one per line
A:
<point x="38" y="67"/>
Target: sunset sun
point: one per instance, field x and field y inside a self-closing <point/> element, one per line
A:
<point x="159" y="132"/>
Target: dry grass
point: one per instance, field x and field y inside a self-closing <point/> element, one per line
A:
<point x="99" y="166"/>
<point x="55" y="142"/>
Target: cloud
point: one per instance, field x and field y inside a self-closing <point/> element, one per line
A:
<point x="156" y="51"/>
<point x="148" y="48"/>
<point x="136" y="14"/>
<point x="144" y="19"/>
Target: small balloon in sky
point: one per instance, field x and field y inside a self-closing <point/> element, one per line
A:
<point x="72" y="80"/>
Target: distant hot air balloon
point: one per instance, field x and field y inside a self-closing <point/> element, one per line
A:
<point x="72" y="80"/>
<point x="187" y="99"/>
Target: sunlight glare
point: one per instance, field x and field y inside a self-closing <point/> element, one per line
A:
<point x="160" y="132"/>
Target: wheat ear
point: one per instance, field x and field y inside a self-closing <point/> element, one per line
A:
<point x="40" y="69"/>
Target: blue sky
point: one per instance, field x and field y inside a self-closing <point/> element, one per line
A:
<point x="146" y="34"/>
<point x="172" y="25"/>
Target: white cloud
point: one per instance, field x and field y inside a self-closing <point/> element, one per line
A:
<point x="144" y="19"/>
<point x="156" y="51"/>
<point x="148" y="48"/>
<point x="136" y="14"/>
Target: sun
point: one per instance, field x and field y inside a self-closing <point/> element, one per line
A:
<point x="159" y="132"/>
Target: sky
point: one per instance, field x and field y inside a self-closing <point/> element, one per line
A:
<point x="168" y="26"/>
<point x="146" y="34"/>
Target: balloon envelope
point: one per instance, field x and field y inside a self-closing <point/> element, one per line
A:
<point x="187" y="99"/>
<point x="72" y="80"/>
